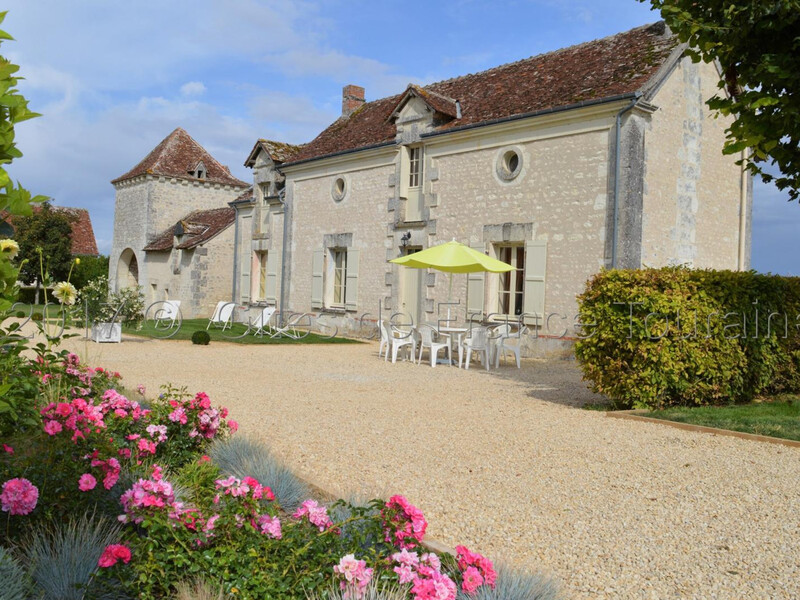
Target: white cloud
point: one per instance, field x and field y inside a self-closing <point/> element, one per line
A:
<point x="193" y="88"/>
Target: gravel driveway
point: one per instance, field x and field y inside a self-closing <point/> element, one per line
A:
<point x="506" y="463"/>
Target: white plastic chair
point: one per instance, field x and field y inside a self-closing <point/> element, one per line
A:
<point x="261" y="322"/>
<point x="166" y="315"/>
<point x="384" y="339"/>
<point x="477" y="341"/>
<point x="398" y="339"/>
<point x="501" y="335"/>
<point x="428" y="338"/>
<point x="223" y="315"/>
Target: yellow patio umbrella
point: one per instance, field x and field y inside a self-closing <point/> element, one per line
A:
<point x="453" y="257"/>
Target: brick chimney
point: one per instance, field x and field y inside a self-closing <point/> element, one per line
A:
<point x="352" y="98"/>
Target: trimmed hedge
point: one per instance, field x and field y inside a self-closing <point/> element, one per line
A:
<point x="678" y="337"/>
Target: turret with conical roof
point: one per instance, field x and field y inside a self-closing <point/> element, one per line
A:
<point x="176" y="178"/>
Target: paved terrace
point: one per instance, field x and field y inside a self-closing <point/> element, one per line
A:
<point x="507" y="463"/>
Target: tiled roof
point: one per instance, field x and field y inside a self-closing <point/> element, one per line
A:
<point x="198" y="227"/>
<point x="439" y="103"/>
<point x="176" y="156"/>
<point x="605" y="68"/>
<point x="245" y="196"/>
<point x="83" y="240"/>
<point x="278" y="151"/>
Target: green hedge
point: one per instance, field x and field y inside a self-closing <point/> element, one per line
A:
<point x="712" y="354"/>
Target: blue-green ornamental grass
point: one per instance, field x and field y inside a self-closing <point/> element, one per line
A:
<point x="241" y="456"/>
<point x="14" y="581"/>
<point x="63" y="556"/>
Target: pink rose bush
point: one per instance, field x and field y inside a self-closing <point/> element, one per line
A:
<point x="404" y="523"/>
<point x="356" y="576"/>
<point x="424" y="574"/>
<point x="181" y="510"/>
<point x="316" y="514"/>
<point x="19" y="496"/>
<point x="478" y="570"/>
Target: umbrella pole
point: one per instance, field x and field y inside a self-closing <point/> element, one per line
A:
<point x="449" y="295"/>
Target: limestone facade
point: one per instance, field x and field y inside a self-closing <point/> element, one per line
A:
<point x="150" y="200"/>
<point x="678" y="201"/>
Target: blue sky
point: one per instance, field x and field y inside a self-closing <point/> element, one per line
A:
<point x="113" y="78"/>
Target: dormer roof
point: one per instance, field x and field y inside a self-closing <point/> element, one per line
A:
<point x="437" y="102"/>
<point x="178" y="155"/>
<point x="279" y="152"/>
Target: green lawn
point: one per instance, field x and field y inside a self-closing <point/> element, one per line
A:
<point x="779" y="418"/>
<point x="234" y="334"/>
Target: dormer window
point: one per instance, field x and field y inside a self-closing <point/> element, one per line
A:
<point x="199" y="171"/>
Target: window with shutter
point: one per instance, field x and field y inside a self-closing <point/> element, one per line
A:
<point x="317" y="273"/>
<point x="534" y="291"/>
<point x="271" y="288"/>
<point x="245" y="257"/>
<point x="351" y="280"/>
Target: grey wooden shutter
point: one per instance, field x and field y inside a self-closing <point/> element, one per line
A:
<point x="476" y="283"/>
<point x="535" y="271"/>
<point x="351" y="280"/>
<point x="272" y="276"/>
<point x="317" y="275"/>
<point x="246" y="257"/>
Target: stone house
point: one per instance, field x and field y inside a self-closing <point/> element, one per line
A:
<point x="173" y="228"/>
<point x="595" y="156"/>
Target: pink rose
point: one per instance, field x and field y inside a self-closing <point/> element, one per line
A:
<point x="52" y="428"/>
<point x="233" y="425"/>
<point x="19" y="496"/>
<point x="86" y="482"/>
<point x="8" y="449"/>
<point x="114" y="553"/>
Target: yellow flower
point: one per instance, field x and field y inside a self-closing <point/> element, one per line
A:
<point x="65" y="293"/>
<point x="9" y="248"/>
<point x="77" y="261"/>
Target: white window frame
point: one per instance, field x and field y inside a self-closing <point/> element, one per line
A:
<point x="338" y="257"/>
<point x="517" y="278"/>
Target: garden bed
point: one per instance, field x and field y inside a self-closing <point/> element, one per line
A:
<point x="110" y="492"/>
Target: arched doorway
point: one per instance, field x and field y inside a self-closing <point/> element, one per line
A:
<point x="127" y="270"/>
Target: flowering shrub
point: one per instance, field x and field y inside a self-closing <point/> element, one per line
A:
<point x="146" y="464"/>
<point x="404" y="523"/>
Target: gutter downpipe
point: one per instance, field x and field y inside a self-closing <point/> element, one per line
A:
<point x="742" y="213"/>
<point x="235" y="253"/>
<point x="282" y="200"/>
<point x="615" y="226"/>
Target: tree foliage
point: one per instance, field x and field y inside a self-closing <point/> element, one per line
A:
<point x="14" y="200"/>
<point x="757" y="44"/>
<point x="13" y="109"/>
<point x="50" y="231"/>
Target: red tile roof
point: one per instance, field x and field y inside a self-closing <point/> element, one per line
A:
<point x="605" y="68"/>
<point x="83" y="240"/>
<point x="177" y="156"/>
<point x="198" y="227"/>
<point x="245" y="196"/>
<point x="278" y="151"/>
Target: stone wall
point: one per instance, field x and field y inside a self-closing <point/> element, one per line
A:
<point x="199" y="277"/>
<point x="146" y="206"/>
<point x="692" y="191"/>
<point x="559" y="197"/>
